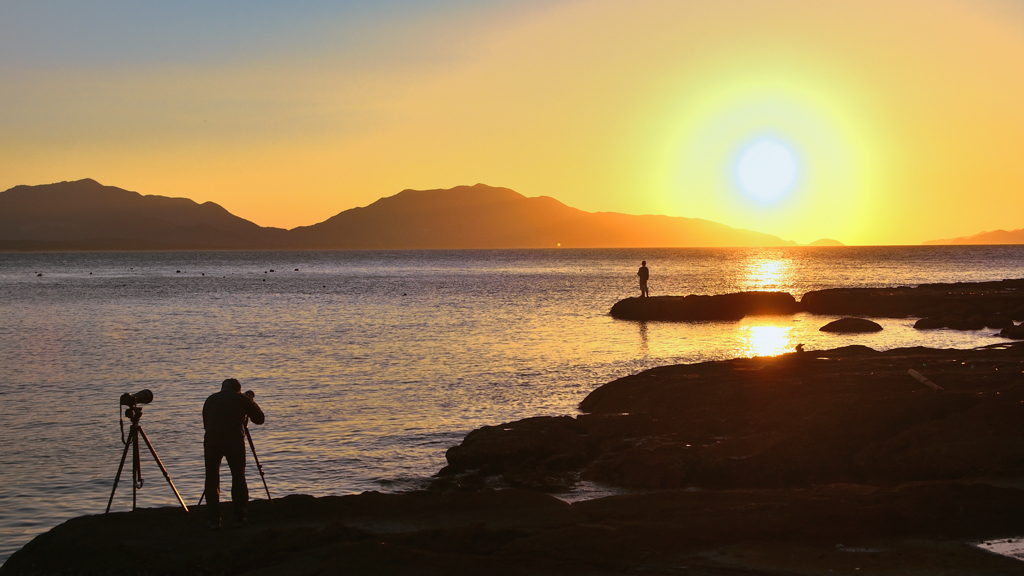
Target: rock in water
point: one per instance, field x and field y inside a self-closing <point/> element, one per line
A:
<point x="851" y="325"/>
<point x="930" y="324"/>
<point x="697" y="308"/>
<point x="926" y="301"/>
<point x="998" y="321"/>
<point x="1015" y="332"/>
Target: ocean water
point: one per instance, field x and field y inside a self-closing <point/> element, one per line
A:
<point x="370" y="364"/>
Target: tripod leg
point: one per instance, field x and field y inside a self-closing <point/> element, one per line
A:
<point x="136" y="467"/>
<point x="201" y="498"/>
<point x="162" y="469"/>
<point x="258" y="465"/>
<point x="124" y="456"/>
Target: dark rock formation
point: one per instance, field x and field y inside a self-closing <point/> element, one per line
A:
<point x="930" y="323"/>
<point x="1015" y="332"/>
<point x="973" y="322"/>
<point x="998" y="321"/>
<point x="844" y="415"/>
<point x="960" y="306"/>
<point x="370" y="533"/>
<point x="538" y="453"/>
<point x="695" y="308"/>
<point x="918" y="529"/>
<point x="845" y="325"/>
<point x="961" y="301"/>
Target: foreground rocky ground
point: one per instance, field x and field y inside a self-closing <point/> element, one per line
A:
<point x="849" y="415"/>
<point x="825" y="462"/>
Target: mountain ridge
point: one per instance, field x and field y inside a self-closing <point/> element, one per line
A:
<point x="85" y="215"/>
<point x="990" y="237"/>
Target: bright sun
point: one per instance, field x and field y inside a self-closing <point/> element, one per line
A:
<point x="766" y="170"/>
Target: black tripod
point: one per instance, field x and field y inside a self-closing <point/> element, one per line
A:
<point x="134" y="413"/>
<point x="255" y="458"/>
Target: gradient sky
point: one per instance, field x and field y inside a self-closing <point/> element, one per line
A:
<point x="904" y="120"/>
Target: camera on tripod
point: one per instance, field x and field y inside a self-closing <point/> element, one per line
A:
<point x="140" y="397"/>
<point x="131" y="444"/>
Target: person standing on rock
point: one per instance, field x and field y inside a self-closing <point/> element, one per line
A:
<point x="644" y="275"/>
<point x="224" y="415"/>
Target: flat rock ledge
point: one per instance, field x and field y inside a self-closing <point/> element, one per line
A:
<point x="957" y="301"/>
<point x="960" y="306"/>
<point x="851" y="325"/>
<point x="699" y="308"/>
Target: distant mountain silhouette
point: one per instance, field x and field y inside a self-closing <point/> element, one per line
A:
<point x="483" y="216"/>
<point x="826" y="242"/>
<point x="994" y="237"/>
<point x="85" y="215"/>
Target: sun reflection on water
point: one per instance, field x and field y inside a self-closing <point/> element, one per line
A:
<point x="766" y="273"/>
<point x="765" y="341"/>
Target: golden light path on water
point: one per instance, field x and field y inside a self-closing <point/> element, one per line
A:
<point x="765" y="274"/>
<point x="765" y="341"/>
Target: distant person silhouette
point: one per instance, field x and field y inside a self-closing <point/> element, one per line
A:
<point x="644" y="275"/>
<point x="224" y="416"/>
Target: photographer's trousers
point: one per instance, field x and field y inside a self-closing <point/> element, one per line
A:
<point x="234" y="452"/>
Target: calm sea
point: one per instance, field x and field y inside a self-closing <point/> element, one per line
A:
<point x="370" y="364"/>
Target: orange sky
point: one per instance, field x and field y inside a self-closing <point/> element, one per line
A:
<point x="904" y="119"/>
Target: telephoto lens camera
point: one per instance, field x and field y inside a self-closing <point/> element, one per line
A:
<point x="140" y="397"/>
<point x="131" y="444"/>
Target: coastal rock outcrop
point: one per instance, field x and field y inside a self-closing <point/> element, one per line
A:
<point x="697" y="307"/>
<point x="959" y="322"/>
<point x="846" y="415"/>
<point x="964" y="303"/>
<point x="960" y="306"/>
<point x="918" y="529"/>
<point x="851" y="325"/>
<point x="542" y="453"/>
<point x="1015" y="332"/>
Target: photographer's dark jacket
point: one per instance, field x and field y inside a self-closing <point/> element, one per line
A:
<point x="224" y="416"/>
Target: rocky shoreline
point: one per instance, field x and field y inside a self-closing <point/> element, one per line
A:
<point x="820" y="462"/>
<point x="848" y="415"/>
<point x="960" y="306"/>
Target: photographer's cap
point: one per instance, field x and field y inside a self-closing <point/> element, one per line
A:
<point x="231" y="385"/>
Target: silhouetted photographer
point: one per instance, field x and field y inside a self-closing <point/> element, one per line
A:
<point x="224" y="419"/>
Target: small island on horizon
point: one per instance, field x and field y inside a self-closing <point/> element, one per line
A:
<point x="826" y="242"/>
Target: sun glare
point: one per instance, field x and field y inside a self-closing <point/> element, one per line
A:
<point x="767" y="340"/>
<point x="774" y="153"/>
<point x="766" y="170"/>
